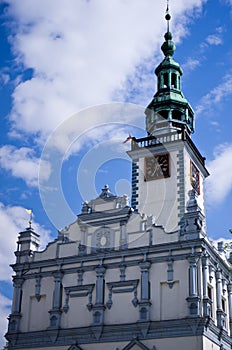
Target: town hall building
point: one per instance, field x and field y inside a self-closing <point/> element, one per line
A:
<point x="132" y="276"/>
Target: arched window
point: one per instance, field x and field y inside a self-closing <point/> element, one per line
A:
<point x="174" y="81"/>
<point x="162" y="115"/>
<point x="165" y="80"/>
<point x="177" y="115"/>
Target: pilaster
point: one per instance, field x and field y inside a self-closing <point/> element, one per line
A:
<point x="229" y="288"/>
<point x="220" y="313"/>
<point x="207" y="303"/>
<point x="99" y="307"/>
<point x="55" y="312"/>
<point x="123" y="238"/>
<point x="193" y="299"/>
<point x="14" y="318"/>
<point x="145" y="304"/>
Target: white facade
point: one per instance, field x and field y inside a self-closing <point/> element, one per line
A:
<point x="147" y="291"/>
<point x="140" y="276"/>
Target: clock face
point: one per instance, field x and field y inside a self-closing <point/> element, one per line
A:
<point x="195" y="177"/>
<point x="157" y="167"/>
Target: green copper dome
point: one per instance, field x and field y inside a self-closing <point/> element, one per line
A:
<point x="168" y="46"/>
<point x="169" y="109"/>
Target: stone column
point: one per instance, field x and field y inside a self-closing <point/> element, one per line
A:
<point x="100" y="271"/>
<point x="37" y="287"/>
<point x="18" y="283"/>
<point x="193" y="299"/>
<point x="220" y="312"/>
<point x="144" y="305"/>
<point x="14" y="319"/>
<point x="123" y="240"/>
<point x="99" y="307"/>
<point x="230" y="305"/>
<point x="169" y="79"/>
<point x="55" y="313"/>
<point x="82" y="249"/>
<point x="206" y="301"/>
<point x="193" y="276"/>
<point x="161" y="81"/>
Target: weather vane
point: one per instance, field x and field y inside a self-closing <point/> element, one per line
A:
<point x="29" y="212"/>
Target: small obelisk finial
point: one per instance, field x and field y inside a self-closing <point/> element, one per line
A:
<point x="29" y="211"/>
<point x="167" y="16"/>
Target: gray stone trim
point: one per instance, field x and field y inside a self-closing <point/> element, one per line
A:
<point x="134" y="185"/>
<point x="78" y="291"/>
<point x="122" y="287"/>
<point x="186" y="327"/>
<point x="180" y="186"/>
<point x="217" y="335"/>
<point x="99" y="218"/>
<point x="199" y="160"/>
<point x="175" y="247"/>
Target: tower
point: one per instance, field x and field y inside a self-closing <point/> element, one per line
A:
<point x="166" y="164"/>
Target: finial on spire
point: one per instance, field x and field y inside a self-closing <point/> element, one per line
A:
<point x="167" y="16"/>
<point x="29" y="212"/>
<point x="168" y="46"/>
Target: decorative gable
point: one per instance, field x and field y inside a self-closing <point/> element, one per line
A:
<point x="136" y="345"/>
<point x="74" y="347"/>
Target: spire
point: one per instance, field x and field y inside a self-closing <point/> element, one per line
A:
<point x="169" y="110"/>
<point x="167" y="16"/>
<point x="168" y="46"/>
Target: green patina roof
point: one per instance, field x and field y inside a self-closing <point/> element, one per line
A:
<point x="168" y="63"/>
<point x="169" y="96"/>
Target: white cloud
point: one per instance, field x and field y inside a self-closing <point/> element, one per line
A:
<point x="191" y="64"/>
<point x="219" y="183"/>
<point x="22" y="163"/>
<point x="214" y="39"/>
<point x="82" y="52"/>
<point x="215" y="96"/>
<point x="5" y="305"/>
<point x="12" y="221"/>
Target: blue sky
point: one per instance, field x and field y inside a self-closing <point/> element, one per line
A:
<point x="58" y="59"/>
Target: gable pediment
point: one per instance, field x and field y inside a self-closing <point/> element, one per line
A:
<point x="135" y="345"/>
<point x="74" y="347"/>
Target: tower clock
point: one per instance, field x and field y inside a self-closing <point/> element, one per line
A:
<point x="156" y="167"/>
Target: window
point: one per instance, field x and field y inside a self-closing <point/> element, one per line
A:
<point x="165" y="80"/>
<point x="177" y="115"/>
<point x="174" y="81"/>
<point x="223" y="305"/>
<point x="210" y="296"/>
<point x="209" y="293"/>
